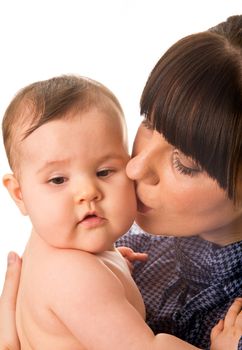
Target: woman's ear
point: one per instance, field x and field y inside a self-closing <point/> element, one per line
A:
<point x="14" y="189"/>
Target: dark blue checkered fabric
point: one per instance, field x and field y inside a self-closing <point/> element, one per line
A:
<point x="187" y="284"/>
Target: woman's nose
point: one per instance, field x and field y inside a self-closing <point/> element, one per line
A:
<point x="87" y="191"/>
<point x="142" y="168"/>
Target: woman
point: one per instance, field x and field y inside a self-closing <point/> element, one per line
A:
<point x="187" y="165"/>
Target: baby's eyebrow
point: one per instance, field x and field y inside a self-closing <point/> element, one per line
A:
<point x="51" y="163"/>
<point x="48" y="164"/>
<point x="110" y="156"/>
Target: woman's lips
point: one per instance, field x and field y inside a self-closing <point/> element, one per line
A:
<point x="142" y="208"/>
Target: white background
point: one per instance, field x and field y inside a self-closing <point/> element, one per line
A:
<point x="114" y="41"/>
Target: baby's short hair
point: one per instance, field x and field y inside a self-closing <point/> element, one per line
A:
<point x="47" y="100"/>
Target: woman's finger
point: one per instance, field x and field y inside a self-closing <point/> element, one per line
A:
<point x="129" y="254"/>
<point x="217" y="329"/>
<point x="8" y="334"/>
<point x="233" y="315"/>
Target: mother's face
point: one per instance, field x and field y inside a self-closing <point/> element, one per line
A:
<point x="175" y="197"/>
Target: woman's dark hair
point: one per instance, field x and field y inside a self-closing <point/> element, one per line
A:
<point x="193" y="97"/>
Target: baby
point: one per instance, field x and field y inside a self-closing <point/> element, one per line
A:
<point x="66" y="142"/>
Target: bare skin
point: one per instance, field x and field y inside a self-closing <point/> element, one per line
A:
<point x="9" y="339"/>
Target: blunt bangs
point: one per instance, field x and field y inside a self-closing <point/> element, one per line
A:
<point x="193" y="97"/>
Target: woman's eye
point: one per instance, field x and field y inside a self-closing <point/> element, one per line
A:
<point x="59" y="180"/>
<point x="191" y="170"/>
<point x="104" y="172"/>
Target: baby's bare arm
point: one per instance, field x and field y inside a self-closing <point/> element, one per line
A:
<point x="227" y="333"/>
<point x="92" y="304"/>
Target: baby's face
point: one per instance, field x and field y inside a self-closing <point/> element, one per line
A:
<point x="74" y="184"/>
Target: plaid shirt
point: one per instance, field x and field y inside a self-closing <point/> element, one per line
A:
<point x="187" y="283"/>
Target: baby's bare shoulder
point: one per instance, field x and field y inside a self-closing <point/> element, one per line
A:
<point x="73" y="267"/>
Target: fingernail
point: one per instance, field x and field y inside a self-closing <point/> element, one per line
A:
<point x="11" y="258"/>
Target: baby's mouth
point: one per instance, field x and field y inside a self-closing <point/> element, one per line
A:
<point x="89" y="216"/>
<point x="91" y="220"/>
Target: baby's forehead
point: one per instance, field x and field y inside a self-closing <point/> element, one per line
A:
<point x="23" y="120"/>
<point x="30" y="116"/>
<point x="92" y="118"/>
<point x="75" y="136"/>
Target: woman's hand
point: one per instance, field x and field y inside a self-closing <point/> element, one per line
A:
<point x="8" y="334"/>
<point x="131" y="256"/>
<point x="227" y="333"/>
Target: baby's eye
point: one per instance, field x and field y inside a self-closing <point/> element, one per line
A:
<point x="104" y="172"/>
<point x="58" y="180"/>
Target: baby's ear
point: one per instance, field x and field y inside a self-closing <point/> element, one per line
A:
<point x="14" y="189"/>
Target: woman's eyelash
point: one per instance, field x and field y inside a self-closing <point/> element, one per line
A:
<point x="184" y="169"/>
